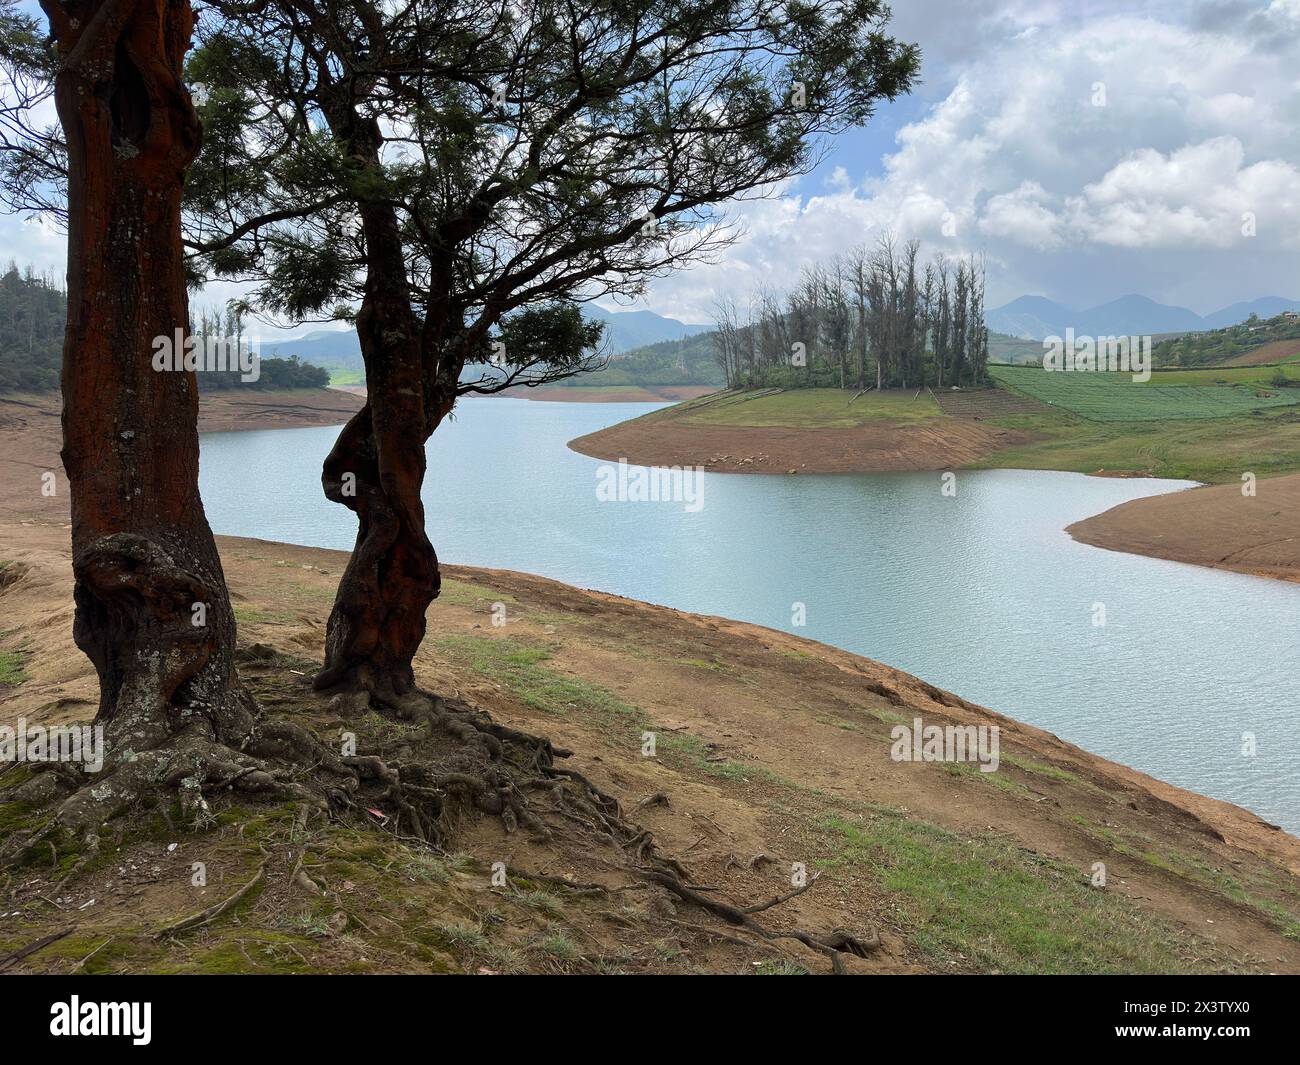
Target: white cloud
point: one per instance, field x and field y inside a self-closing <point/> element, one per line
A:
<point x="1023" y="216"/>
<point x="1197" y="128"/>
<point x="1201" y="196"/>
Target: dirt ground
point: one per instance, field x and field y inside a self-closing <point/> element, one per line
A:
<point x="941" y="444"/>
<point x="1214" y="525"/>
<point x="771" y="750"/>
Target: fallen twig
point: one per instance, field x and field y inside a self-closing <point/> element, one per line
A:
<point x="783" y="898"/>
<point x="31" y="948"/>
<point x="204" y="916"/>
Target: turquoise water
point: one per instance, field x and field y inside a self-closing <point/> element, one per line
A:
<point x="981" y="593"/>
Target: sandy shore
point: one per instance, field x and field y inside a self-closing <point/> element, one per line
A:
<point x="1215" y="525"/>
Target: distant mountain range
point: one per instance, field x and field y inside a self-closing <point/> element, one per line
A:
<point x="1036" y="317"/>
<point x="624" y="331"/>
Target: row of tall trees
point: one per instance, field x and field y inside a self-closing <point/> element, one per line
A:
<point x="455" y="176"/>
<point x="872" y="317"/>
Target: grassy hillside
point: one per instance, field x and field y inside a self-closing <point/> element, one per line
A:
<point x="690" y="361"/>
<point x="1205" y="425"/>
<point x="1233" y="344"/>
<point x="823" y="407"/>
<point x="1013" y="350"/>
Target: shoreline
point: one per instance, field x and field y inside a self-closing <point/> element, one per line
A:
<point x="897" y="686"/>
<point x="664" y="438"/>
<point x="1214" y="526"/>
<point x="756" y="716"/>
<point x="761" y="731"/>
<point x="31" y="435"/>
<point x="1200" y="526"/>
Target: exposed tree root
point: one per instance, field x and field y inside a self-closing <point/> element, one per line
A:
<point x="421" y="781"/>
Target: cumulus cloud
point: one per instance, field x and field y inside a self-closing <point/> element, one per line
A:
<point x="1078" y="153"/>
<point x="1201" y="196"/>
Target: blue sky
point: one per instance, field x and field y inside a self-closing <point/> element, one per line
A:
<point x="1088" y="149"/>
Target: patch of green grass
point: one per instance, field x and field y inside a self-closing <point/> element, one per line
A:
<point x="1041" y="768"/>
<point x="996" y="779"/>
<point x="516" y="664"/>
<point x="461" y="937"/>
<point x="685" y="749"/>
<point x="1187" y="867"/>
<point x="505" y="960"/>
<point x="11" y="667"/>
<point x="1172" y="395"/>
<point x="1266" y="442"/>
<point x="1053" y="772"/>
<point x="309" y="924"/>
<point x="249" y="616"/>
<point x="560" y="946"/>
<point x="701" y="663"/>
<point x="985" y="904"/>
<point x="543" y="902"/>
<point x="462" y="593"/>
<point x="426" y="868"/>
<point x="821" y="407"/>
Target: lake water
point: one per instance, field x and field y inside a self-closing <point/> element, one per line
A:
<point x="981" y="593"/>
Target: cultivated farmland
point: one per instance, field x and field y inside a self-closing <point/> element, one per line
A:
<point x="1116" y="397"/>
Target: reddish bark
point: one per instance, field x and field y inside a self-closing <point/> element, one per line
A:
<point x="143" y="554"/>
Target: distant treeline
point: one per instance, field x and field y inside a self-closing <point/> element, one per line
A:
<point x="33" y="311"/>
<point x="870" y="317"/>
<point x="274" y="373"/>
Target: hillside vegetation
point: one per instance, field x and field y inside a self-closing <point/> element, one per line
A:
<point x="1234" y="344"/>
<point x="691" y="360"/>
<point x="33" y="312"/>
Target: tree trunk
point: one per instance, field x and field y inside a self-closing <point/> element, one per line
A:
<point x="152" y="610"/>
<point x="376" y="469"/>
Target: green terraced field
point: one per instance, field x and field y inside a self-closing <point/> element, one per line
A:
<point x="1116" y="397"/>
